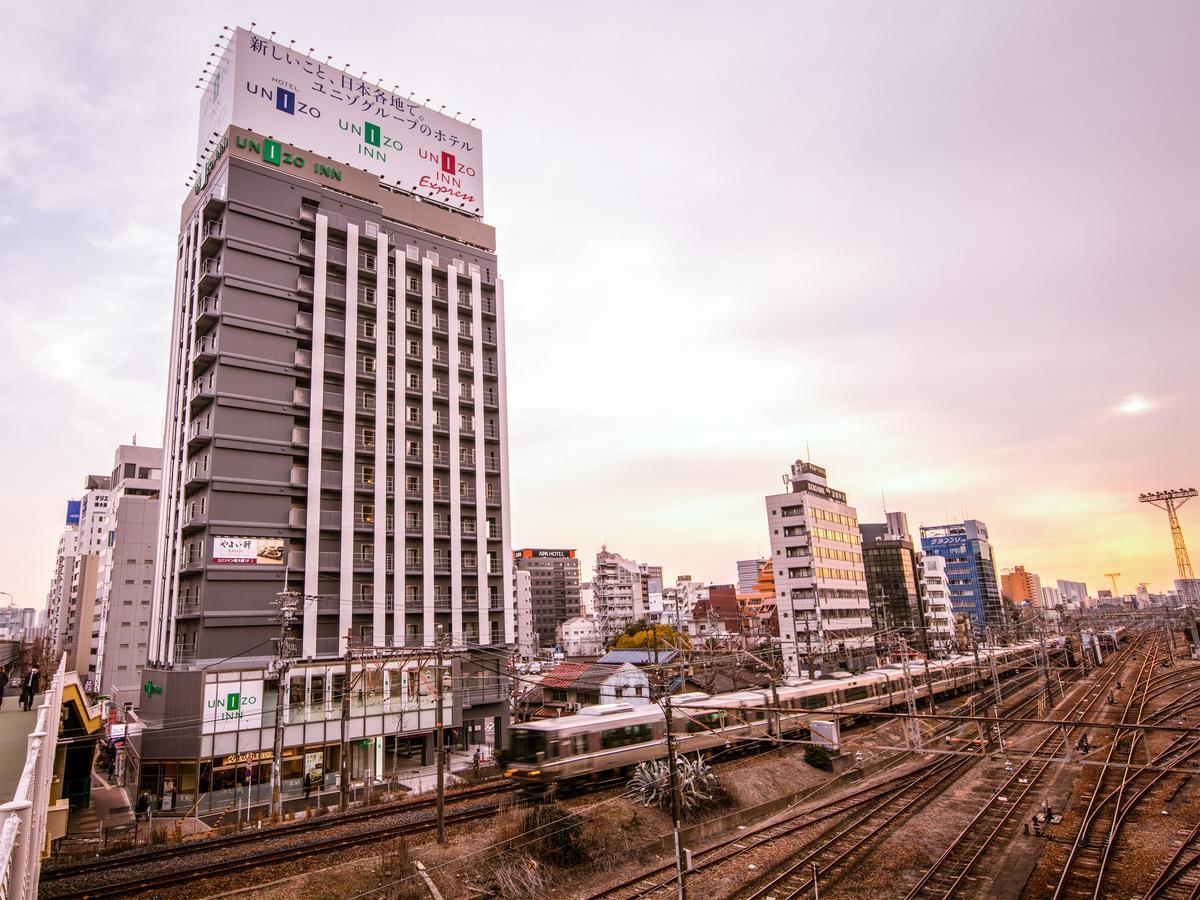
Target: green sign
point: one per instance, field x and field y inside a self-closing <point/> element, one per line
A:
<point x="272" y="153"/>
<point x="150" y="689"/>
<point x="233" y="702"/>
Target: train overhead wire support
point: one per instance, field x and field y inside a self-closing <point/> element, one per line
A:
<point x="1170" y="501"/>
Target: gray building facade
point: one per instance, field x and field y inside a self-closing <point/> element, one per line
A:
<point x="336" y="426"/>
<point x="122" y="618"/>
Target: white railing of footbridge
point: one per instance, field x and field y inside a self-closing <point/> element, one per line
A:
<point x="23" y="819"/>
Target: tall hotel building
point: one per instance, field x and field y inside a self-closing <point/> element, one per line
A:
<point x="335" y="426"/>
<point x="824" y="611"/>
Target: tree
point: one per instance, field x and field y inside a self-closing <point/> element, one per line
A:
<point x="663" y="637"/>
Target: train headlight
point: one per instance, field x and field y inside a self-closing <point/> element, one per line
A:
<point x="533" y="772"/>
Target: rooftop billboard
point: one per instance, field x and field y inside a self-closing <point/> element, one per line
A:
<point x="278" y="92"/>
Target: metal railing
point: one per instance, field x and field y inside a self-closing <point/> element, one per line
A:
<point x="23" y="819"/>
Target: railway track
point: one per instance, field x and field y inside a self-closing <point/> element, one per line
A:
<point x="1180" y="877"/>
<point x="1118" y="792"/>
<point x="838" y="853"/>
<point x="994" y="821"/>
<point x="897" y="791"/>
<point x="219" y="857"/>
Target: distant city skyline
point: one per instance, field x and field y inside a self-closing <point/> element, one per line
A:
<point x="946" y="247"/>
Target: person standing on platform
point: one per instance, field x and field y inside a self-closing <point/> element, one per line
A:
<point x="3" y="684"/>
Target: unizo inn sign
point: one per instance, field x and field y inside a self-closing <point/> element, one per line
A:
<point x="232" y="705"/>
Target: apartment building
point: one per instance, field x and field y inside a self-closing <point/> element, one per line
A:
<point x="822" y="603"/>
<point x="336" y="426"/>
<point x="1021" y="586"/>
<point x="939" y="612"/>
<point x="621" y="590"/>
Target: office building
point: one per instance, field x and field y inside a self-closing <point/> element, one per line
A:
<point x="1051" y="598"/>
<point x="748" y="571"/>
<point x="621" y="589"/>
<point x="336" y="427"/>
<point x="1021" y="586"/>
<point x="527" y="637"/>
<point x="1188" y="591"/>
<point x="1073" y="592"/>
<point x="554" y="582"/>
<point x="821" y="585"/>
<point x="970" y="569"/>
<point x="893" y="568"/>
<point x="121" y="620"/>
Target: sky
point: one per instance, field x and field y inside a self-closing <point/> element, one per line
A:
<point x="946" y="249"/>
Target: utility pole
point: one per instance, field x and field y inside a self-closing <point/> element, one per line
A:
<point x="440" y="742"/>
<point x="344" y="775"/>
<point x="910" y="699"/>
<point x="672" y="767"/>
<point x="287" y="601"/>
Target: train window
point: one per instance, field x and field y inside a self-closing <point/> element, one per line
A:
<point x="579" y="744"/>
<point x="698" y="722"/>
<point x="622" y="737"/>
<point x="856" y="693"/>
<point x="815" y="701"/>
<point x="527" y="744"/>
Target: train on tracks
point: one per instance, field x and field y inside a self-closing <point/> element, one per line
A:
<point x="601" y="742"/>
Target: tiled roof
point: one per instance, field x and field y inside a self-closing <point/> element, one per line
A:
<point x="564" y="675"/>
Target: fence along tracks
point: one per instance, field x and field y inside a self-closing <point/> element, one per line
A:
<point x="222" y="856"/>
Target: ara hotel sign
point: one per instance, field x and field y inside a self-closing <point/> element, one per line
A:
<point x="276" y="91"/>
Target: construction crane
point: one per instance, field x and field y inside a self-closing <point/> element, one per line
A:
<point x="1171" y="501"/>
<point x="1113" y="576"/>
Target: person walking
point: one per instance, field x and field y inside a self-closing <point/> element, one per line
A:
<point x="29" y="687"/>
<point x="3" y="684"/>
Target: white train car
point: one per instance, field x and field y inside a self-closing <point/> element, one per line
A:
<point x="600" y="742"/>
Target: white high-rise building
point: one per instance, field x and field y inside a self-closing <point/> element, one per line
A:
<point x="527" y="636"/>
<point x="939" y="612"/>
<point x="824" y="610"/>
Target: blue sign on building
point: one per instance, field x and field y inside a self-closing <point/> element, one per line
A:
<point x="73" y="508"/>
